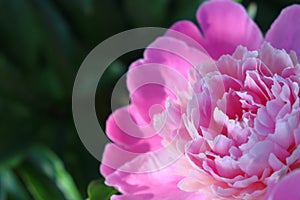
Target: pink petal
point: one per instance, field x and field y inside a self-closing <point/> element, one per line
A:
<point x="189" y="29"/>
<point x="286" y="188"/>
<point x="131" y="162"/>
<point x="221" y="145"/>
<point x="227" y="167"/>
<point x="115" y="157"/>
<point x="134" y="196"/>
<point x="162" y="72"/>
<point x="123" y="133"/>
<point x="225" y="104"/>
<point x="225" y="25"/>
<point x="228" y="65"/>
<point x="263" y="123"/>
<point x="225" y="192"/>
<point x="105" y="170"/>
<point x="275" y="163"/>
<point x="256" y="161"/>
<point x="157" y="185"/>
<point x="275" y="59"/>
<point x="283" y="134"/>
<point x="257" y="157"/>
<point x="284" y="32"/>
<point x="146" y="97"/>
<point x="190" y="184"/>
<point x="174" y="53"/>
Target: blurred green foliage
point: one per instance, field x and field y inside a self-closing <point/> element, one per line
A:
<point x="42" y="44"/>
<point x="41" y="171"/>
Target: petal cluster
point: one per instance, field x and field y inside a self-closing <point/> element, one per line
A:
<point x="249" y="137"/>
<point x="214" y="114"/>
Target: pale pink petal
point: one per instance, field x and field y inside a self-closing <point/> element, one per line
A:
<point x="225" y="192"/>
<point x="225" y="25"/>
<point x="263" y="123"/>
<point x="283" y="134"/>
<point x="227" y="167"/>
<point x="149" y="186"/>
<point x="258" y="156"/>
<point x="285" y="30"/>
<point x="133" y="196"/>
<point x="275" y="163"/>
<point x="228" y="65"/>
<point x="190" y="184"/>
<point x="245" y="182"/>
<point x="221" y="145"/>
<point x="276" y="60"/>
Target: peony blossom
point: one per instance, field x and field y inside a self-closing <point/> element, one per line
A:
<point x="214" y="114"/>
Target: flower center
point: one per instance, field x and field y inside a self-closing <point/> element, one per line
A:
<point x="241" y="123"/>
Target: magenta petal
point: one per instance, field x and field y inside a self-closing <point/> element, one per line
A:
<point x="163" y="71"/>
<point x="189" y="29"/>
<point x="287" y="188"/>
<point x="146" y="97"/>
<point x="125" y="134"/>
<point x="226" y="25"/>
<point x="175" y="53"/>
<point x="284" y="32"/>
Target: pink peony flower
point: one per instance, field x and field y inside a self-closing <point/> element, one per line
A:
<point x="218" y="118"/>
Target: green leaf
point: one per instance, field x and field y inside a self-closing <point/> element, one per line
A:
<point x="41" y="171"/>
<point x="2" y="188"/>
<point x="12" y="186"/>
<point x="11" y="160"/>
<point x="40" y="187"/>
<point x="51" y="165"/>
<point x="98" y="190"/>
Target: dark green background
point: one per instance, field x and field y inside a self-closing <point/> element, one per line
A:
<point x="42" y="44"/>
